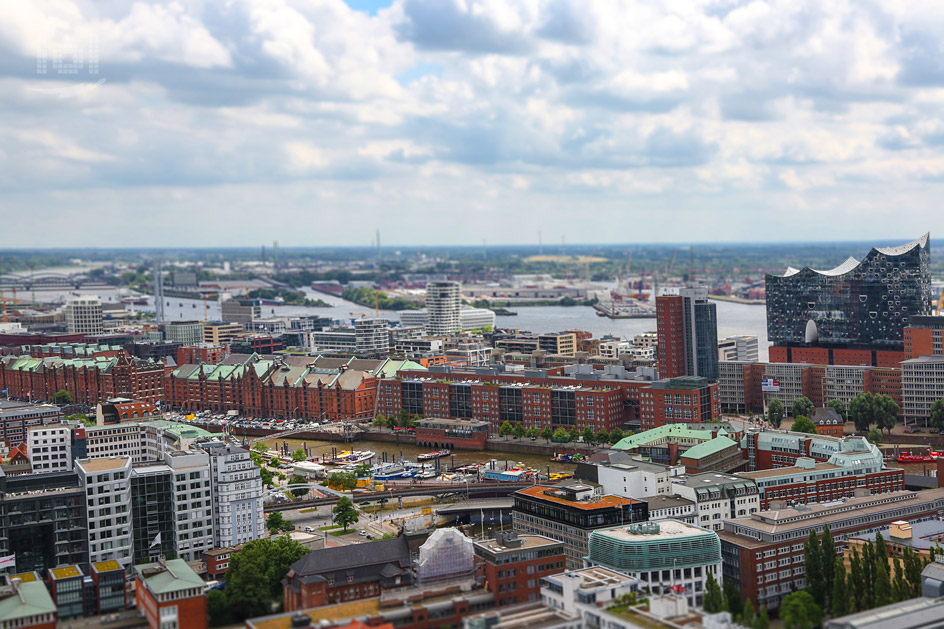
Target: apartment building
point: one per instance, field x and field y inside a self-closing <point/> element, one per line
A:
<point x="108" y="490"/>
<point x="665" y="556"/>
<point x="624" y="475"/>
<point x="764" y="553"/>
<point x="218" y="333"/>
<point x="739" y="348"/>
<point x="16" y="419"/>
<point x="236" y="490"/>
<point x="186" y="333"/>
<point x="922" y="385"/>
<point x="50" y="446"/>
<point x="514" y="565"/>
<point x="558" y="343"/>
<point x="569" y="514"/>
<point x="717" y="497"/>
<point x="858" y="465"/>
<point x="84" y="316"/>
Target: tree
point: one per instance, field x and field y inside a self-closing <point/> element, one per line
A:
<point x="900" y="588"/>
<point x="81" y="417"/>
<point x="274" y="462"/>
<point x="298" y="455"/>
<point x="277" y="524"/>
<point x="616" y="435"/>
<point x="839" y="406"/>
<point x="937" y="414"/>
<point x="602" y="437"/>
<point x="266" y="475"/>
<point x="800" y="611"/>
<point x="862" y="411"/>
<point x="714" y="599"/>
<point x="298" y="492"/>
<point x="343" y="481"/>
<point x="883" y="583"/>
<point x="62" y="398"/>
<point x="344" y="512"/>
<point x="505" y="429"/>
<point x="814" y="568"/>
<point x="804" y="424"/>
<point x="560" y="435"/>
<point x="868" y="576"/>
<point x="827" y="556"/>
<point x="733" y="602"/>
<point x="749" y="616"/>
<point x="874" y="436"/>
<point x="362" y="470"/>
<point x="546" y="433"/>
<point x="856" y="582"/>
<point x="254" y="577"/>
<point x="913" y="565"/>
<point x="404" y="418"/>
<point x="588" y="434"/>
<point x="573" y="434"/>
<point x="519" y="431"/>
<point x="775" y="412"/>
<point x="802" y="406"/>
<point x="218" y="608"/>
<point x="886" y="412"/>
<point x="261" y="448"/>
<point x="839" y="596"/>
<point x="533" y="433"/>
<point x="763" y="620"/>
<point x="380" y="421"/>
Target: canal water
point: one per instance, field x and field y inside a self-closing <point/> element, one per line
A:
<point x="394" y="451"/>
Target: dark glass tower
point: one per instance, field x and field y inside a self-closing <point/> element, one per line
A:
<point x="865" y="303"/>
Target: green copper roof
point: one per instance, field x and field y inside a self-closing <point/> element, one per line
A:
<point x="181" y="429"/>
<point x="680" y="431"/>
<point x="178" y="576"/>
<point x="36" y="601"/>
<point x="390" y="367"/>
<point x="708" y="448"/>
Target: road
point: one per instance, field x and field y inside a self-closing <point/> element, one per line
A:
<point x="375" y="524"/>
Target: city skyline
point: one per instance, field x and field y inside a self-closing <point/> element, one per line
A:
<point x="724" y="121"/>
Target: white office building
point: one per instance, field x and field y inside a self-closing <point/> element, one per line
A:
<point x="108" y="491"/>
<point x="84" y="316"/>
<point x="718" y="497"/>
<point x="744" y="348"/>
<point x="469" y="319"/>
<point x="635" y="478"/>
<point x="49" y="447"/>
<point x="442" y="304"/>
<point x="236" y="489"/>
<point x="187" y="333"/>
<point x="372" y="336"/>
<point x="193" y="502"/>
<point x="586" y="592"/>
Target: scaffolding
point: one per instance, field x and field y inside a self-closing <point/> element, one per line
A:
<point x="447" y="554"/>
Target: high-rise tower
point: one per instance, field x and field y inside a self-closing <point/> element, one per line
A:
<point x="442" y="303"/>
<point x="687" y="326"/>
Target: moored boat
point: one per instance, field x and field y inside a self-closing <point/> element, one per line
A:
<point x="430" y="456"/>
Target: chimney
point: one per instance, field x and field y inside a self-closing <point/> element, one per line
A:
<point x="900" y="530"/>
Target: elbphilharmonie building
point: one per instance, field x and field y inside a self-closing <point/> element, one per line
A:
<point x="863" y="303"/>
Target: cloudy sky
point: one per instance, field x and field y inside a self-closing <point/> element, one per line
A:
<point x="315" y="122"/>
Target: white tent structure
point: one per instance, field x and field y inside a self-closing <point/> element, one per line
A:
<point x="446" y="554"/>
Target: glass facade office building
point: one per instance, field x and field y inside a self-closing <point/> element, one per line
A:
<point x="865" y="303"/>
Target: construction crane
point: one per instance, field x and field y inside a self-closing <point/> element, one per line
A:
<point x="626" y="270"/>
<point x="3" y="305"/>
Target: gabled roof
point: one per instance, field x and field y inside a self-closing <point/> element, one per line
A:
<point x="328" y="560"/>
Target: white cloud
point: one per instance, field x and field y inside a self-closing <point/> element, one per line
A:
<point x="442" y="110"/>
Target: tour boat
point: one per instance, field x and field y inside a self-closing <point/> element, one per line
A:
<point x="390" y="471"/>
<point x="426" y="474"/>
<point x="353" y="457"/>
<point x="430" y="456"/>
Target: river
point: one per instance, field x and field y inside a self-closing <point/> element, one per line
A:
<point x="733" y="318"/>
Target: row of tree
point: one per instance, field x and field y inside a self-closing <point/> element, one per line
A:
<point x="561" y="435"/>
<point x="401" y="420"/>
<point x="730" y="600"/>
<point x="868" y="582"/>
<point x="865" y="410"/>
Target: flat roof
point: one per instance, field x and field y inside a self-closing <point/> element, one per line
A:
<point x="106" y="566"/>
<point x="103" y="465"/>
<point x="666" y="502"/>
<point x="608" y="501"/>
<point x="706" y="479"/>
<point x="789" y="471"/>
<point x="594" y="576"/>
<point x="527" y="541"/>
<point x="667" y="529"/>
<point x="65" y="572"/>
